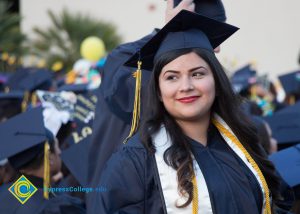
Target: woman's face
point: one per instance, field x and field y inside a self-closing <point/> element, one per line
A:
<point x="187" y="87"/>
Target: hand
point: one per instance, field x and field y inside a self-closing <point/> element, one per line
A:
<point x="183" y="5"/>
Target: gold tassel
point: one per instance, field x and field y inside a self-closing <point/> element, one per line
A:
<point x="25" y="101"/>
<point x="46" y="170"/>
<point x="33" y="100"/>
<point x="137" y="102"/>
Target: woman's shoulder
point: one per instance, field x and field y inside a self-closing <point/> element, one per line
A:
<point x="131" y="153"/>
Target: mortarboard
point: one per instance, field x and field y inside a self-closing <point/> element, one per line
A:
<point x="285" y="128"/>
<point x="18" y="136"/>
<point x="185" y="30"/>
<point x="76" y="88"/>
<point x="30" y="79"/>
<point x="291" y="82"/>
<point x="287" y="163"/>
<point x="210" y="8"/>
<point x="76" y="159"/>
<point x="40" y="79"/>
<point x="243" y="78"/>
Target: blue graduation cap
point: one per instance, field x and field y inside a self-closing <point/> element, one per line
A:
<point x="185" y="30"/>
<point x="287" y="163"/>
<point x="291" y="82"/>
<point x="76" y="88"/>
<point x="76" y="160"/>
<point x="285" y="128"/>
<point x="19" y="139"/>
<point x="30" y="79"/>
<point x="243" y="78"/>
<point x="210" y="8"/>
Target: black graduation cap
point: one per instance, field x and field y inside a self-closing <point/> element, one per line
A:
<point x="291" y="82"/>
<point x="76" y="159"/>
<point x="185" y="30"/>
<point x="76" y="88"/>
<point x="210" y="8"/>
<point x="243" y="78"/>
<point x="287" y="163"/>
<point x="21" y="137"/>
<point x="285" y="128"/>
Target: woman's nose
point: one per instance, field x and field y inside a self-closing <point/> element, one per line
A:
<point x="186" y="84"/>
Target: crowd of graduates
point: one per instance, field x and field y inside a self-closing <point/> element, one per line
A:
<point x="46" y="131"/>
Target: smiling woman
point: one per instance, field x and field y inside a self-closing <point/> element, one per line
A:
<point x="195" y="150"/>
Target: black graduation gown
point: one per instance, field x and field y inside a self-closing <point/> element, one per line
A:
<point x="113" y="111"/>
<point x="58" y="204"/>
<point x="131" y="180"/>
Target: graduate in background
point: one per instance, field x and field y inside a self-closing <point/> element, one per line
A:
<point x="115" y="96"/>
<point x="33" y="152"/>
<point x="196" y="150"/>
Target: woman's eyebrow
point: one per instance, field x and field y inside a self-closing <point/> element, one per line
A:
<point x="190" y="70"/>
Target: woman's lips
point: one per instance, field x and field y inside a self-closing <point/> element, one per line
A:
<point x="188" y="99"/>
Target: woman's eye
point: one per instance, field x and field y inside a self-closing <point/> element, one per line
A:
<point x="171" y="77"/>
<point x="198" y="74"/>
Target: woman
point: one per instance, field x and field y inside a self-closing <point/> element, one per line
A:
<point x="196" y="152"/>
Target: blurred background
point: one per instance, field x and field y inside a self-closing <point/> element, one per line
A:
<point x="52" y="54"/>
<point x="268" y="36"/>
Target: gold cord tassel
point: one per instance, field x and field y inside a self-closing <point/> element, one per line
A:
<point x="195" y="196"/>
<point x="46" y="170"/>
<point x="25" y="101"/>
<point x="137" y="102"/>
<point x="234" y="139"/>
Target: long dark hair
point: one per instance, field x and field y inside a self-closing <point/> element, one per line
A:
<point x="226" y="104"/>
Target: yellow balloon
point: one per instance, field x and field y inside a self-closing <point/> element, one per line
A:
<point x="92" y="48"/>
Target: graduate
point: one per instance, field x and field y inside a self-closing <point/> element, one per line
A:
<point x="115" y="95"/>
<point x="33" y="152"/>
<point x="196" y="152"/>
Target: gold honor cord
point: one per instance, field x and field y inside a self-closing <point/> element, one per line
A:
<point x="195" y="196"/>
<point x="234" y="139"/>
<point x="46" y="170"/>
<point x="137" y="102"/>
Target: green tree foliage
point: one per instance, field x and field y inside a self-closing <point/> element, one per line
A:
<point x="61" y="41"/>
<point x="11" y="37"/>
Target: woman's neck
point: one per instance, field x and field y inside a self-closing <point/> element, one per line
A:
<point x="197" y="129"/>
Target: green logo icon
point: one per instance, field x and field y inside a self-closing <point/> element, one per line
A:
<point x="22" y="189"/>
